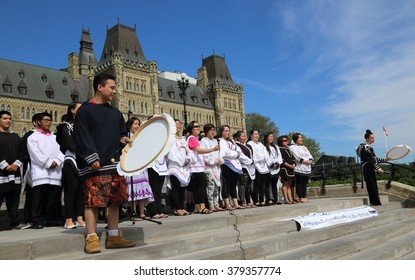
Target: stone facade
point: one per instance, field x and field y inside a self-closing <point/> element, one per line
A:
<point x="142" y="90"/>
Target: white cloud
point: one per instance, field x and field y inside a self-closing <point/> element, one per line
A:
<point x="367" y="48"/>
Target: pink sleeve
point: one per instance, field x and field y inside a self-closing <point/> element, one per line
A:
<point x="193" y="143"/>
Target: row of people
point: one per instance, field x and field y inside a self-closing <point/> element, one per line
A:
<point x="205" y="169"/>
<point x="36" y="155"/>
<point x="226" y="172"/>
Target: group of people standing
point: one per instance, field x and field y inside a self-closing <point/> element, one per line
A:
<point x="80" y="159"/>
<point x="203" y="175"/>
<point x="34" y="160"/>
<point x="220" y="172"/>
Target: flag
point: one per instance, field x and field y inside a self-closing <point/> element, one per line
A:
<point x="384" y="130"/>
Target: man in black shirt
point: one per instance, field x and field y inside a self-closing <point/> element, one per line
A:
<point x="100" y="132"/>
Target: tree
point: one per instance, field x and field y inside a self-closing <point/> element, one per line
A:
<point x="265" y="124"/>
<point x="261" y="123"/>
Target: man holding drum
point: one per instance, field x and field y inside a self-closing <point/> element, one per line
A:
<point x="99" y="134"/>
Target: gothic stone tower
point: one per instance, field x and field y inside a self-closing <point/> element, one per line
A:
<point x="123" y="57"/>
<point x="228" y="98"/>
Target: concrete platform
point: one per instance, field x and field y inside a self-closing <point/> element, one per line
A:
<point x="257" y="233"/>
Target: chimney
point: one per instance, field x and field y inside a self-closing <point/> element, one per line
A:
<point x="73" y="65"/>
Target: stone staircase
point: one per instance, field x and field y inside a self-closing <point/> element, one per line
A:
<point x="251" y="234"/>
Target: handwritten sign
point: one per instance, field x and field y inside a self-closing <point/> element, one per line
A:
<point x="325" y="219"/>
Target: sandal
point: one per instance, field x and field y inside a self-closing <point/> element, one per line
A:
<point x="177" y="213"/>
<point x="157" y="216"/>
<point x="219" y="208"/>
<point x="204" y="211"/>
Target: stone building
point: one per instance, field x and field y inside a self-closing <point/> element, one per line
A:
<point x="142" y="89"/>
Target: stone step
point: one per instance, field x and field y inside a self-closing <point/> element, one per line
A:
<point x="393" y="249"/>
<point x="281" y="239"/>
<point x="215" y="230"/>
<point x="177" y="236"/>
<point x="373" y="231"/>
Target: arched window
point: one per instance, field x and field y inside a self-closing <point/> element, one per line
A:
<point x="142" y="107"/>
<point x="24" y="131"/>
<point x="28" y="113"/>
<point x="22" y="113"/>
<point x="8" y="109"/>
<point x="33" y="111"/>
<point x="2" y="107"/>
<point x="134" y="106"/>
<point x="146" y="108"/>
<point x="55" y="116"/>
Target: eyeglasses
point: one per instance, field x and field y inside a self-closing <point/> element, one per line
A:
<point x="285" y="140"/>
<point x="196" y="126"/>
<point x="47" y="120"/>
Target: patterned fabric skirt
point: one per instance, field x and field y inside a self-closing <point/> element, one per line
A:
<point x="104" y="190"/>
<point x="139" y="188"/>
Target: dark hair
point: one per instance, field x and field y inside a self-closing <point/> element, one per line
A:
<point x="237" y="134"/>
<point x="368" y="133"/>
<point x="207" y="127"/>
<point x="190" y="126"/>
<point x="44" y="114"/>
<point x="265" y="142"/>
<point x="280" y="138"/>
<point x="69" y="117"/>
<point x="221" y="129"/>
<point x="251" y="132"/>
<point x="5" y="113"/>
<point x="37" y="117"/>
<point x="130" y="122"/>
<point x="101" y="79"/>
<point x="296" y="136"/>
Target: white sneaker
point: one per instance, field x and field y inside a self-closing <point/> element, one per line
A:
<point x="73" y="226"/>
<point x="23" y="226"/>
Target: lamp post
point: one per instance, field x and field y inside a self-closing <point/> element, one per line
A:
<point x="183" y="84"/>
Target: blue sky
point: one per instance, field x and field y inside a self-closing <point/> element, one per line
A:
<point x="327" y="69"/>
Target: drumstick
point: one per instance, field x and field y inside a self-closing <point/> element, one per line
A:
<point x="127" y="140"/>
<point x="151" y="220"/>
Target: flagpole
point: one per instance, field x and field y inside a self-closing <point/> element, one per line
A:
<point x="386" y="142"/>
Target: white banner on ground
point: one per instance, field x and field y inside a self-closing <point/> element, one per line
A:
<point x="325" y="219"/>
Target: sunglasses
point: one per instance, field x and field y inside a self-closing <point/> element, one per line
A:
<point x="196" y="126"/>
